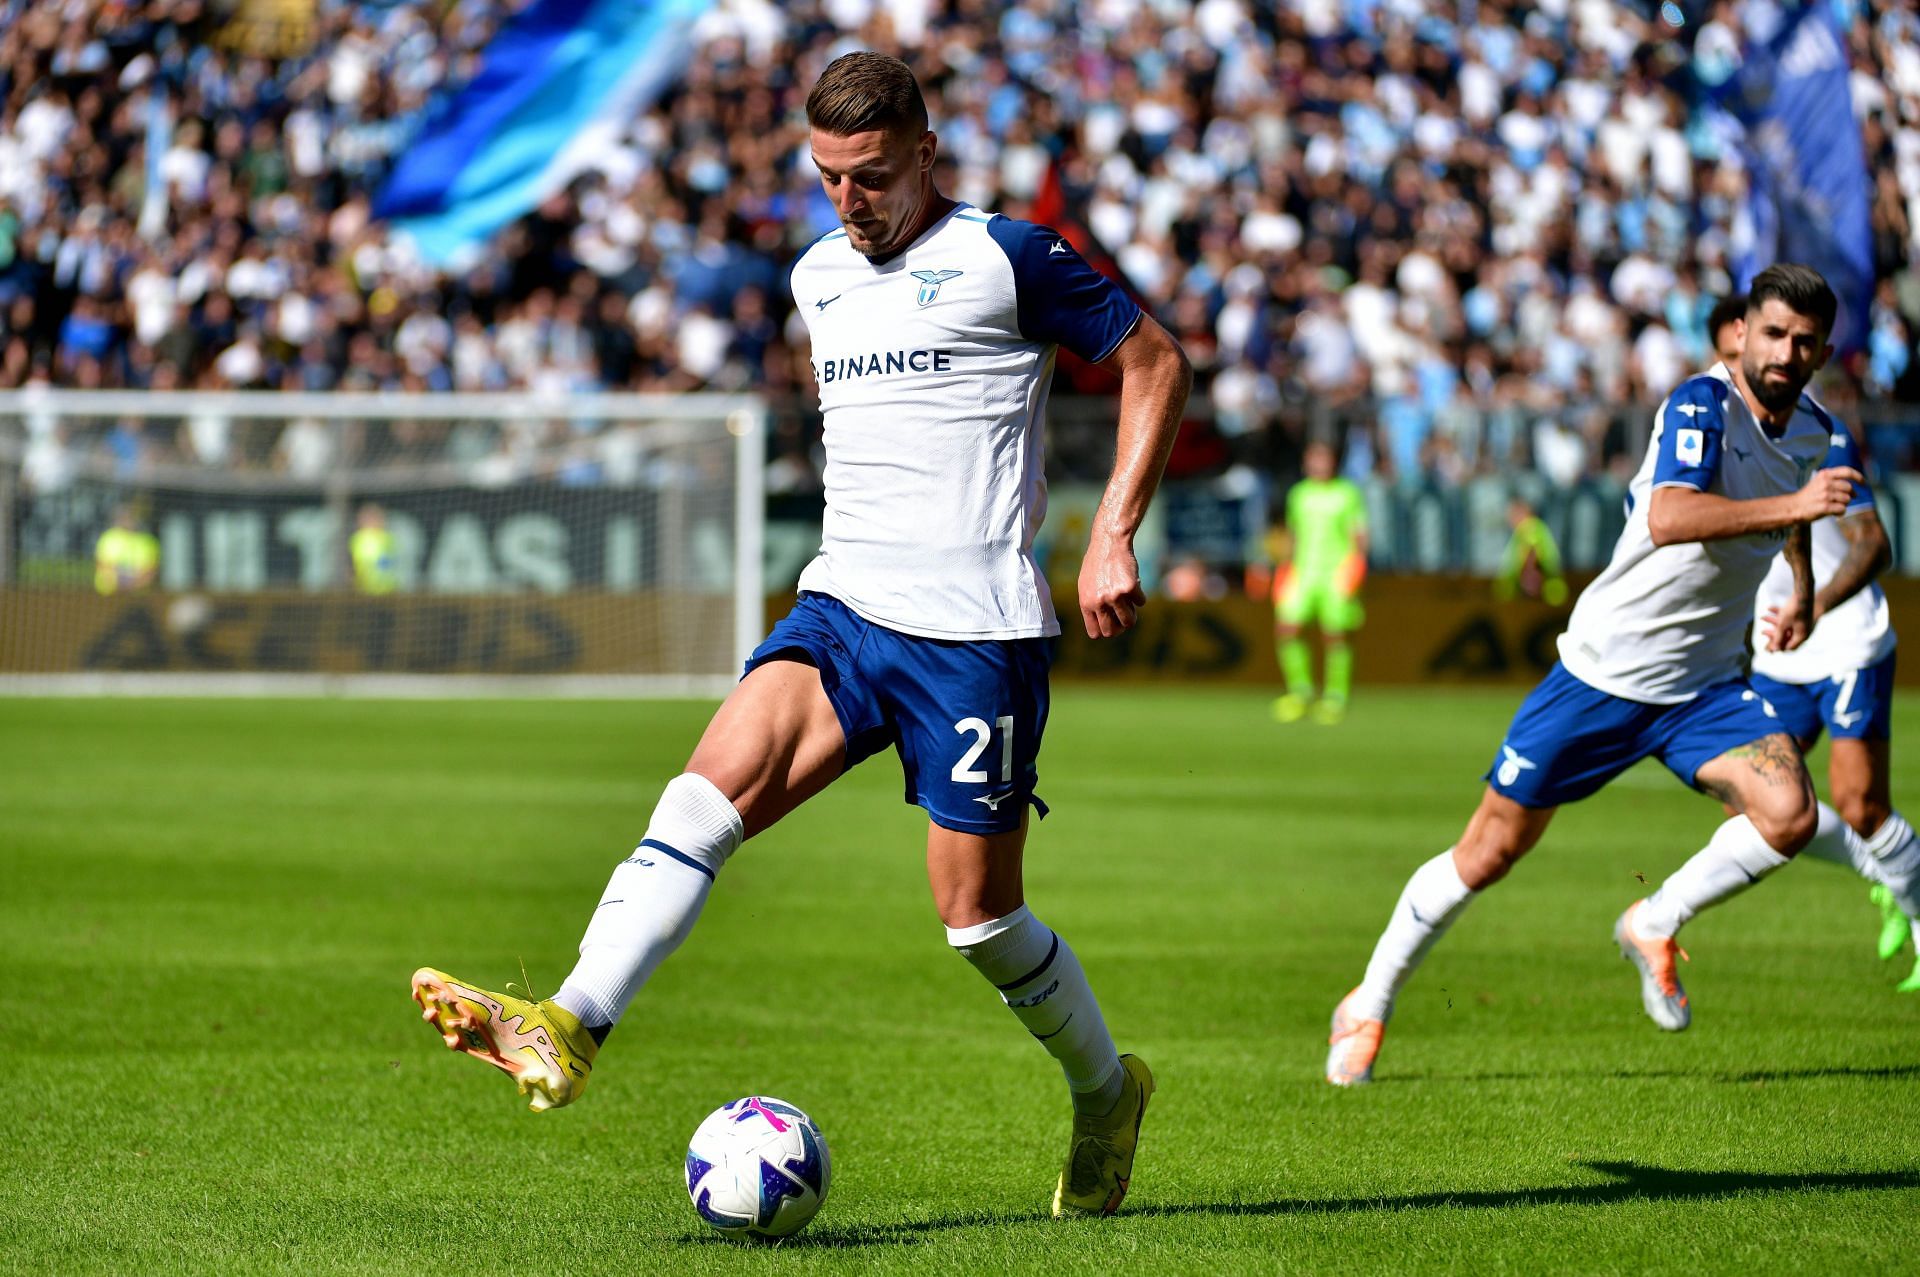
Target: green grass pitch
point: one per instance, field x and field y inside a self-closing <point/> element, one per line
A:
<point x="209" y="911"/>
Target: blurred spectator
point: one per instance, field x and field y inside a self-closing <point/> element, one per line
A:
<point x="375" y="569"/>
<point x="126" y="557"/>
<point x="1465" y="227"/>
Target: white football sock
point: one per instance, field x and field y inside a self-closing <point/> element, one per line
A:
<point x="1896" y="858"/>
<point x="1041" y="982"/>
<point x="652" y="899"/>
<point x="1432" y="899"/>
<point x="1835" y="842"/>
<point x="1734" y="859"/>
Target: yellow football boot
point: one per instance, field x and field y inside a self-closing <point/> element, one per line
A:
<point x="542" y="1046"/>
<point x="1100" y="1162"/>
<point x="1288" y="708"/>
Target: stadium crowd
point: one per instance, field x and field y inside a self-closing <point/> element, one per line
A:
<point x="1474" y="231"/>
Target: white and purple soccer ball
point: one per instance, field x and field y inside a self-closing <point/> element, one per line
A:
<point x="757" y="1167"/>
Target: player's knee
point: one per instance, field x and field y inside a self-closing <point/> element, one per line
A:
<point x="1487" y="858"/>
<point x="1787" y="824"/>
<point x="1863" y="812"/>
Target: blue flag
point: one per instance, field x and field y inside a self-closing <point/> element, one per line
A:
<point x="1809" y="196"/>
<point x="499" y="145"/>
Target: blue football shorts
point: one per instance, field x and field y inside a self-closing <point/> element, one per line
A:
<point x="966" y="716"/>
<point x="1856" y="705"/>
<point x="1569" y="739"/>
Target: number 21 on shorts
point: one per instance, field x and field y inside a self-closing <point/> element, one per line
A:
<point x="964" y="771"/>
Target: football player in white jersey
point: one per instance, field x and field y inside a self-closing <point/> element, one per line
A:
<point x="1841" y="679"/>
<point x="924" y="625"/>
<point x="1653" y="665"/>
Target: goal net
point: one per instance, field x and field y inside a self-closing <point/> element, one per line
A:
<point x="429" y="544"/>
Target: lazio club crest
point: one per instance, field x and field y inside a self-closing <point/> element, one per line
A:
<point x="930" y="281"/>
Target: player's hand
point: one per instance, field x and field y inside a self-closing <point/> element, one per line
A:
<point x="1829" y="492"/>
<point x="1788" y="627"/>
<point x="1110" y="593"/>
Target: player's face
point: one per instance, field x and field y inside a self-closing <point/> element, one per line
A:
<point x="1318" y="461"/>
<point x="1728" y="340"/>
<point x="879" y="184"/>
<point x="1781" y="352"/>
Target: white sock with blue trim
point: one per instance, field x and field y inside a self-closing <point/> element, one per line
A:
<point x="652" y="900"/>
<point x="1042" y="983"/>
<point x="1896" y="862"/>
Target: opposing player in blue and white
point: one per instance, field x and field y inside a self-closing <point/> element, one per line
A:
<point x="925" y="624"/>
<point x="1840" y="680"/>
<point x="1652" y="665"/>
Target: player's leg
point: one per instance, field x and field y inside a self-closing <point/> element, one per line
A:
<point x="1857" y="783"/>
<point x="1857" y="708"/>
<point x="1499" y="834"/>
<point x="1566" y="741"/>
<point x="971" y="719"/>
<point x="1763" y="780"/>
<point x="1293" y="607"/>
<point x="1339" y="618"/>
<point x="1765" y="783"/>
<point x="1339" y="675"/>
<point x="780" y="737"/>
<point x="977" y="890"/>
<point x="773" y="744"/>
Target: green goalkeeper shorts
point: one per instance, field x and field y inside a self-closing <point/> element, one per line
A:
<point x="1305" y="600"/>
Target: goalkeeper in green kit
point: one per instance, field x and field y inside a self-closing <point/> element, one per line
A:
<point x="1318" y="580"/>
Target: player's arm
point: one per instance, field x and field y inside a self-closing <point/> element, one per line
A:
<point x="1683" y="507"/>
<point x="1869" y="553"/>
<point x="1154" y="379"/>
<point x="1789" y="628"/>
<point x="1677" y="514"/>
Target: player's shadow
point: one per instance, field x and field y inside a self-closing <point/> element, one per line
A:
<point x="1629" y="1182"/>
<point x="1888" y="1072"/>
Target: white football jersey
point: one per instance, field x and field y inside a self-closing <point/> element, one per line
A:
<point x="933" y="368"/>
<point x="1662" y="623"/>
<point x="1854" y="635"/>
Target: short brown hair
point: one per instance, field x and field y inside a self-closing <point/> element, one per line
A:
<point x="1800" y="287"/>
<point x="864" y="91"/>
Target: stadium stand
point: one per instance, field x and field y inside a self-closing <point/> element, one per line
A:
<point x="1472" y="233"/>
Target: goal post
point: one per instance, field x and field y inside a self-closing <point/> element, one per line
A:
<point x="401" y="544"/>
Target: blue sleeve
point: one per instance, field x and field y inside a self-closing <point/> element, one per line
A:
<point x="1060" y="298"/>
<point x="1693" y="424"/>
<point x="1843" y="451"/>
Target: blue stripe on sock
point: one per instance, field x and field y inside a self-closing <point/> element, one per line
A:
<point x="1034" y="974"/>
<point x="680" y="856"/>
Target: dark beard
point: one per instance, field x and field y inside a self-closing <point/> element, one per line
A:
<point x="1772" y="397"/>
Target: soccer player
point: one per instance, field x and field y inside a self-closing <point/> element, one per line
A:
<point x="925" y="624"/>
<point x="1320" y="583"/>
<point x="1530" y="565"/>
<point x="1841" y="679"/>
<point x="1652" y="665"/>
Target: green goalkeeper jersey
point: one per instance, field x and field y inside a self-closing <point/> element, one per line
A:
<point x="1323" y="517"/>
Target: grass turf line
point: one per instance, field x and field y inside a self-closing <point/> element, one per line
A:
<point x="209" y="910"/>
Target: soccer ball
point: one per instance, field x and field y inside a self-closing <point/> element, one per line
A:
<point x="757" y="1167"/>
